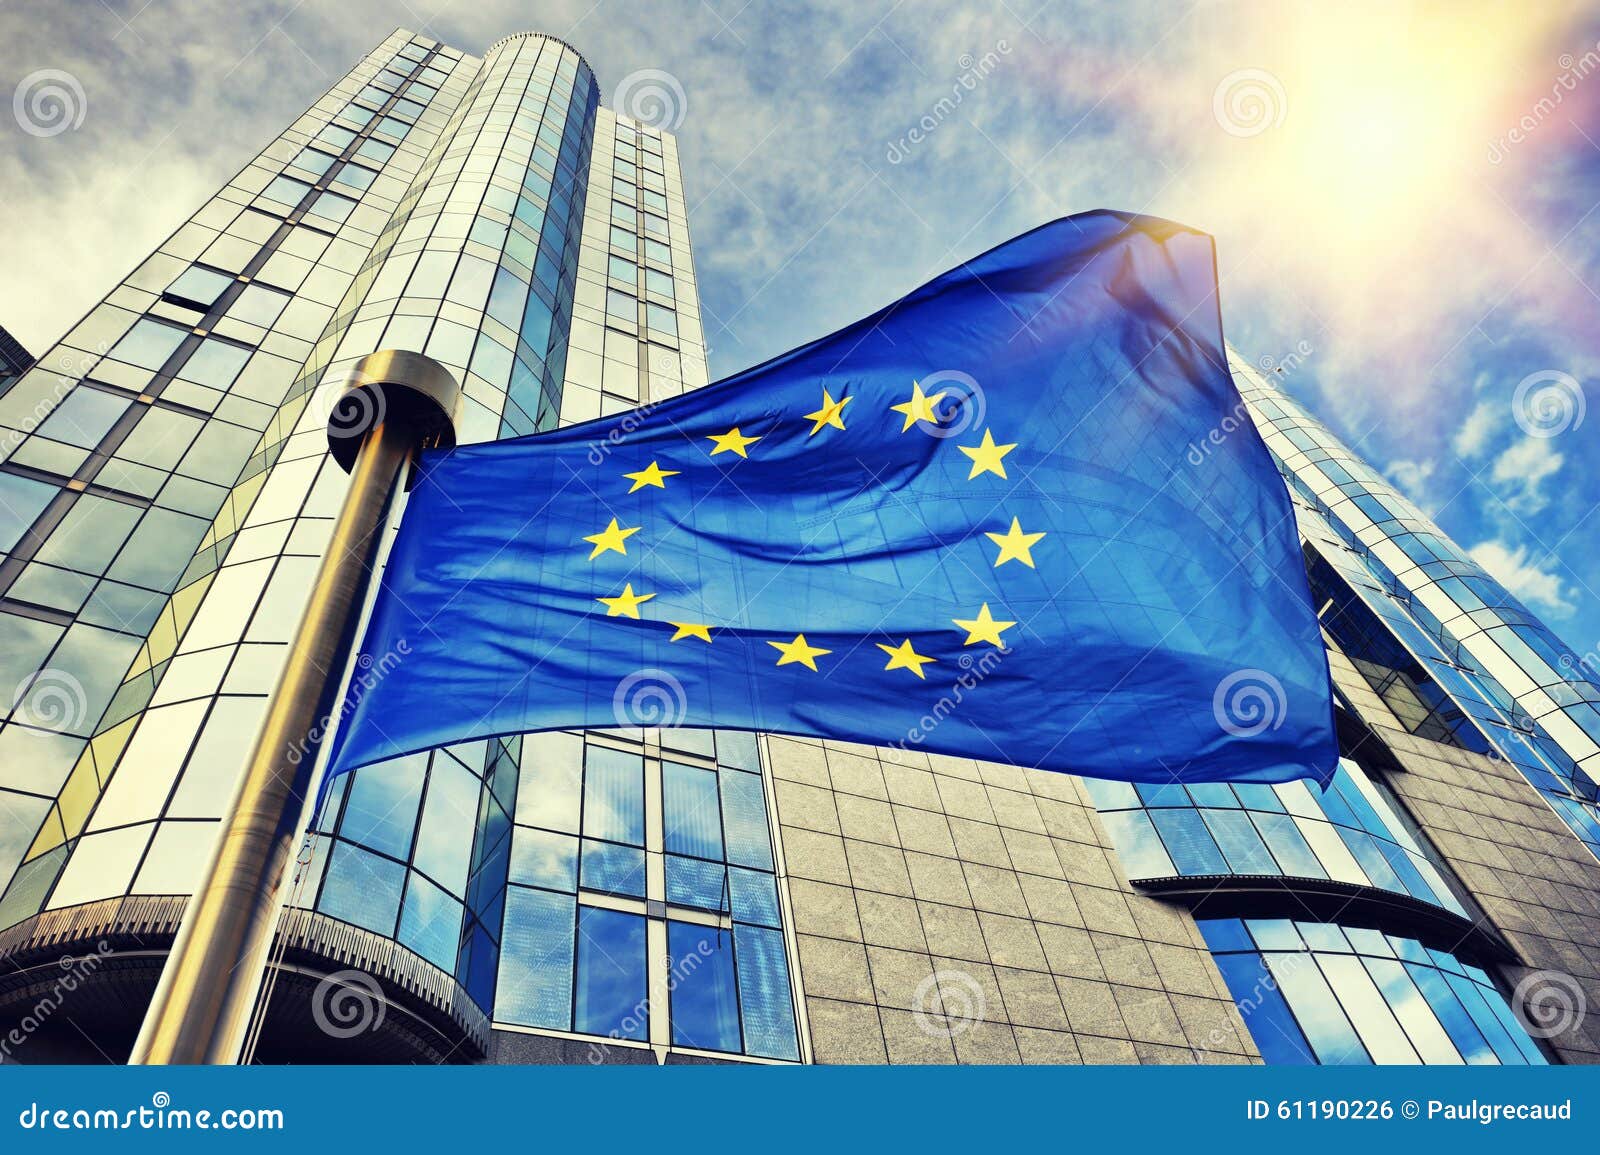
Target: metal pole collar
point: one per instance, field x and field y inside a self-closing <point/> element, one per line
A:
<point x="413" y="394"/>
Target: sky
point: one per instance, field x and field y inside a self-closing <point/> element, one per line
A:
<point x="1404" y="196"/>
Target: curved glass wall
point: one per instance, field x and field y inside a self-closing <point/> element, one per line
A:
<point x="1318" y="993"/>
<point x="157" y="591"/>
<point x="643" y="885"/>
<point x="1348" y="833"/>
<point x="1520" y="689"/>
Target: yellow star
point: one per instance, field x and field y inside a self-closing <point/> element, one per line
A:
<point x="800" y="651"/>
<point x="831" y="413"/>
<point x="626" y="604"/>
<point x="654" y="475"/>
<point x="983" y="628"/>
<point x="986" y="457"/>
<point x="610" y="539"/>
<point x="919" y="408"/>
<point x="690" y="630"/>
<point x="903" y="657"/>
<point x="732" y="442"/>
<point x="1015" y="545"/>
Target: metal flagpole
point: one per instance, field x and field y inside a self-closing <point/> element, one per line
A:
<point x="395" y="404"/>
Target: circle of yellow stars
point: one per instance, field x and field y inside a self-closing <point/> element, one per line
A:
<point x="988" y="456"/>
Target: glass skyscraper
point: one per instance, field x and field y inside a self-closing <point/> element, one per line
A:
<point x="652" y="894"/>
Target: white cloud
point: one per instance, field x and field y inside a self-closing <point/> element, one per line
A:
<point x="1472" y="438"/>
<point x="1410" y="477"/>
<point x="1520" y="471"/>
<point x="1514" y="569"/>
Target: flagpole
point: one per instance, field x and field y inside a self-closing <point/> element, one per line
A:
<point x="395" y="403"/>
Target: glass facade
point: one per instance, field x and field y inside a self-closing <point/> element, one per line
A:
<point x="1348" y="833"/>
<point x="1455" y="655"/>
<point x="1314" y="992"/>
<point x="167" y="494"/>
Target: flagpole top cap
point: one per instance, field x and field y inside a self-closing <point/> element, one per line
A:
<point x="396" y="388"/>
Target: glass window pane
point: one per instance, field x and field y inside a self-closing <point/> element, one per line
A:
<point x="661" y="320"/>
<point x="1273" y="1028"/>
<point x="624" y="270"/>
<point x="430" y="924"/>
<point x="755" y="896"/>
<point x="21" y="500"/>
<point x="705" y="1011"/>
<point x="552" y="774"/>
<point x="362" y="889"/>
<point x="1318" y="1012"/>
<point x="737" y="748"/>
<point x="444" y="839"/>
<point x="84" y="417"/>
<point x="1189" y="842"/>
<point x="148" y="344"/>
<point x="744" y="820"/>
<point x="382" y="809"/>
<point x="692" y="818"/>
<point x="1141" y="851"/>
<point x="613" y="795"/>
<point x="695" y="882"/>
<point x="215" y="363"/>
<point x="199" y="286"/>
<point x="611" y="974"/>
<point x="258" y="305"/>
<point x="612" y="868"/>
<point x="541" y="858"/>
<point x="764" y="997"/>
<point x="1411" y="1008"/>
<point x="535" y="986"/>
<point x="1361" y="999"/>
<point x="1240" y="842"/>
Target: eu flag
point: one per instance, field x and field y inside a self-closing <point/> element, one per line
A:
<point x="1017" y="515"/>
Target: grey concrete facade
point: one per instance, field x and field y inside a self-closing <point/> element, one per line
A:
<point x="948" y="910"/>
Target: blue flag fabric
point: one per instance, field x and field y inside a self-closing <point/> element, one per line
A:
<point x="1018" y="515"/>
